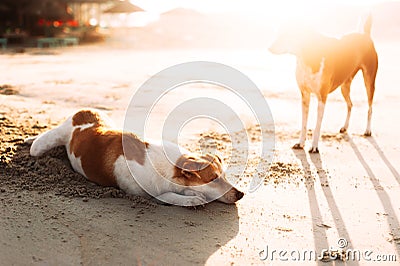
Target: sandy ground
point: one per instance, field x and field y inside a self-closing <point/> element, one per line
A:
<point x="51" y="215"/>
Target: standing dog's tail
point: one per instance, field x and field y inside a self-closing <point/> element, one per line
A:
<point x="368" y="25"/>
<point x="55" y="137"/>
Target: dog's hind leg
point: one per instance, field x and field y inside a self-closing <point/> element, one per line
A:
<point x="346" y="95"/>
<point x="369" y="80"/>
<point x="30" y="140"/>
<point x="305" y="103"/>
<point x="55" y="137"/>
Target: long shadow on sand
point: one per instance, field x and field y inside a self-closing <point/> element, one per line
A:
<point x="396" y="174"/>
<point x="320" y="237"/>
<point x="392" y="220"/>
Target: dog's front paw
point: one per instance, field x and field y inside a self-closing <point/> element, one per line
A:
<point x="192" y="201"/>
<point x="314" y="150"/>
<point x="297" y="146"/>
<point x="190" y="192"/>
<point x="367" y="133"/>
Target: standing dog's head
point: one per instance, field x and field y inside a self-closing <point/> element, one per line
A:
<point x="292" y="39"/>
<point x="205" y="175"/>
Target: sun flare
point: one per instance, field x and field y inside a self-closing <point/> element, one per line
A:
<point x="281" y="8"/>
<point x="273" y="12"/>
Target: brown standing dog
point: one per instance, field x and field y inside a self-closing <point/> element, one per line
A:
<point x="324" y="64"/>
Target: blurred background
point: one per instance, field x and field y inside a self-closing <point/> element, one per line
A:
<point x="184" y="24"/>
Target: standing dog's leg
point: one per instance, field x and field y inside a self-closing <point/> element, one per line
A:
<point x="369" y="80"/>
<point x="367" y="132"/>
<point x="317" y="130"/>
<point x="346" y="95"/>
<point x="305" y="103"/>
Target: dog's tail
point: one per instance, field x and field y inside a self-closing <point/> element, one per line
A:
<point x="55" y="137"/>
<point x="368" y="25"/>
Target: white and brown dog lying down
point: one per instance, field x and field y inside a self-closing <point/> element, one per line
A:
<point x="96" y="151"/>
<point x="324" y="64"/>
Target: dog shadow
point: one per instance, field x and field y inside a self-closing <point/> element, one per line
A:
<point x="392" y="221"/>
<point x="318" y="228"/>
<point x="315" y="159"/>
<point x="320" y="237"/>
<point x="185" y="236"/>
<point x="117" y="227"/>
<point x="389" y="165"/>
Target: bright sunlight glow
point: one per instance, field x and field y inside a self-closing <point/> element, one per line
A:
<point x="279" y="7"/>
<point x="267" y="11"/>
<point x="277" y="10"/>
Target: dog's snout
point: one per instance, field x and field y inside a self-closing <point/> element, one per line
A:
<point x="271" y="49"/>
<point x="239" y="195"/>
<point x="274" y="49"/>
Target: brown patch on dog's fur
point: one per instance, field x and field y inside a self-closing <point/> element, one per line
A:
<point x="192" y="171"/>
<point x="135" y="148"/>
<point x="86" y="117"/>
<point x="99" y="148"/>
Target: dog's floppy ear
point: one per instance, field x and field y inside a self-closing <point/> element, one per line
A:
<point x="192" y="166"/>
<point x="190" y="174"/>
<point x="211" y="157"/>
<point x="218" y="158"/>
